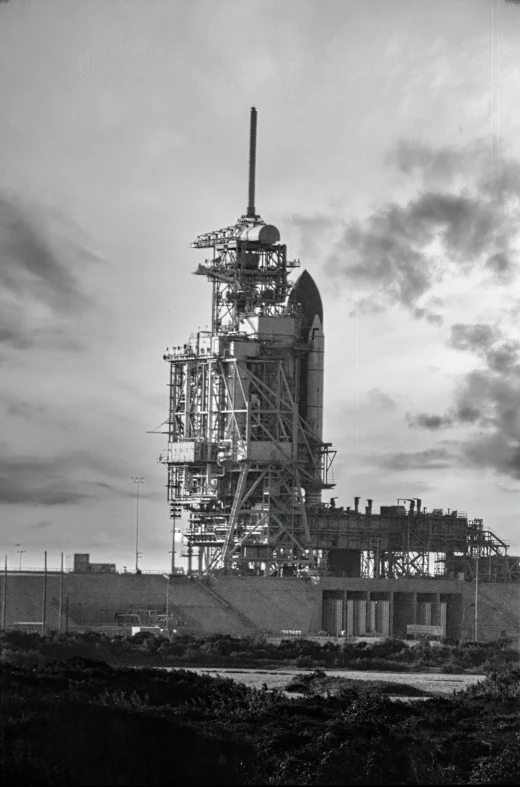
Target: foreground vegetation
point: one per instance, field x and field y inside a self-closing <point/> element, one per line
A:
<point x="321" y="682"/>
<point x="144" y="649"/>
<point x="83" y="722"/>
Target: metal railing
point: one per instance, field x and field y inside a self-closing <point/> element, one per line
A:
<point x="41" y="570"/>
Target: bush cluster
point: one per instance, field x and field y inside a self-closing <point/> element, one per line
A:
<point x="221" y="650"/>
<point x="82" y="721"/>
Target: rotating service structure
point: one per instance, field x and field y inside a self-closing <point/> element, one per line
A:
<point x="245" y="453"/>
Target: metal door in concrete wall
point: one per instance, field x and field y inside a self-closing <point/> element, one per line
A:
<point x="333" y="616"/>
<point x="356" y="617"/>
<point x="404" y="613"/>
<point x="443" y="617"/>
<point x="424" y="613"/>
<point x="379" y="618"/>
<point x="350" y="618"/>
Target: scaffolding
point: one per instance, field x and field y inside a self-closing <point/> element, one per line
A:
<point x="242" y="459"/>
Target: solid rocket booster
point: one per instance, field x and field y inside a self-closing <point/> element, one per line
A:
<point x="306" y="296"/>
<point x="315" y="373"/>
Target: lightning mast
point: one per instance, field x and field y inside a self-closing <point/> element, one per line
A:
<point x="245" y="453"/>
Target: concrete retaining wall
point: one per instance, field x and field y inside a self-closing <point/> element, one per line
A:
<point x="249" y="605"/>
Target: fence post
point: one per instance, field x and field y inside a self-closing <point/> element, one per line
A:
<point x="60" y="614"/>
<point x="4" y="598"/>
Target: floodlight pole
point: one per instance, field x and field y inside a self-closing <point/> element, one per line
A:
<point x="167" y="578"/>
<point x="476" y="598"/>
<point x="138" y="480"/>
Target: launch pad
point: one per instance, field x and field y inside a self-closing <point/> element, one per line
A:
<point x="246" y="458"/>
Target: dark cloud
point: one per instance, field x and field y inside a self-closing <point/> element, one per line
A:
<point x="41" y="286"/>
<point x="476" y="338"/>
<point x="503" y="266"/>
<point x="431" y="459"/>
<point x="466" y="413"/>
<point x="432" y="422"/>
<point x="487" y="398"/>
<point x="382" y="255"/>
<point x="500" y="353"/>
<point x="22" y="409"/>
<point x="504" y="357"/>
<point x="45" y="523"/>
<point x="494" y="451"/>
<point x="461" y="217"/>
<point x="431" y="317"/>
<point x="63" y="480"/>
<point x="431" y="165"/>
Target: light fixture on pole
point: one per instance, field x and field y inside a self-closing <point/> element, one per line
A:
<point x="137" y="480"/>
<point x="21" y="552"/>
<point x="175" y="513"/>
<point x="175" y="532"/>
<point x="167" y="578"/>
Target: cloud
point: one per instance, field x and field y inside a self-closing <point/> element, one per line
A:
<point x="63" y="480"/>
<point x="377" y="399"/>
<point x="432" y="422"/>
<point x="21" y="409"/>
<point x="503" y="266"/>
<point x="431" y="317"/>
<point x="473" y="337"/>
<point x="501" y="354"/>
<point x="495" y="451"/>
<point x="310" y="226"/>
<point x="42" y="293"/>
<point x="461" y="218"/>
<point x="431" y="459"/>
<point x="487" y="398"/>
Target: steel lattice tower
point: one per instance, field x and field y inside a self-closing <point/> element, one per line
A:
<point x="245" y="452"/>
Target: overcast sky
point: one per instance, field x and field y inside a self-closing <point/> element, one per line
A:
<point x="388" y="157"/>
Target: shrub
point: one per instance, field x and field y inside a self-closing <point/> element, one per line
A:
<point x="21" y="658"/>
<point x="502" y="767"/>
<point x="304" y="661"/>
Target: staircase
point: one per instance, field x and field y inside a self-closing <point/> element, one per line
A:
<point x="237" y="612"/>
<point x="500" y="607"/>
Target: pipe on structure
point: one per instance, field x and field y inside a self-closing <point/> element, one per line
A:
<point x="356" y="504"/>
<point x="369" y="505"/>
<point x="251" y="210"/>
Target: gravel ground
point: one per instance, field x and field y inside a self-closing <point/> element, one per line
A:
<point x="278" y="679"/>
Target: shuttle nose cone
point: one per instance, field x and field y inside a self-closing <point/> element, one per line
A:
<point x="305" y="293"/>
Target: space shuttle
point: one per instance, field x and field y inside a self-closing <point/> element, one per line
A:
<point x="306" y="296"/>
